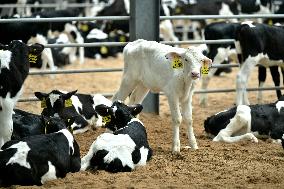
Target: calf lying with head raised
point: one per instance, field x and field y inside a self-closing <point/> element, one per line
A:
<point x="149" y="65"/>
<point x="247" y="123"/>
<point x="14" y="69"/>
<point x="27" y="124"/>
<point x="39" y="158"/>
<point x="126" y="147"/>
<point x="71" y="104"/>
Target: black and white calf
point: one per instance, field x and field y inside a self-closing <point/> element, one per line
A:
<point x="36" y="159"/>
<point x="14" y="68"/>
<point x="245" y="122"/>
<point x="126" y="147"/>
<point x="258" y="44"/>
<point x="227" y="52"/>
<point x="71" y="104"/>
<point x="27" y="124"/>
<point x="149" y="65"/>
<point x="97" y="35"/>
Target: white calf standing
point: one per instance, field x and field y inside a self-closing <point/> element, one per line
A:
<point x="149" y="65"/>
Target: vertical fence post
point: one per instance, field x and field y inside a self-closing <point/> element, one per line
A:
<point x="144" y="24"/>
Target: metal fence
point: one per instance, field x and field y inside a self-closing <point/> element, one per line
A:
<point x="195" y="17"/>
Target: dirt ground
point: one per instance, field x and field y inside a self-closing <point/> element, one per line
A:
<point x="213" y="165"/>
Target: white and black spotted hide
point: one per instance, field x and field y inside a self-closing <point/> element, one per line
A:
<point x="36" y="159"/>
<point x="27" y="124"/>
<point x="247" y="122"/>
<point x="71" y="104"/>
<point x="14" y="68"/>
<point x="124" y="149"/>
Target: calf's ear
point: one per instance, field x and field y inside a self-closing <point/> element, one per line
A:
<point x="103" y="110"/>
<point x="68" y="95"/>
<point x="41" y="95"/>
<point x="36" y="49"/>
<point x="135" y="109"/>
<point x="173" y="55"/>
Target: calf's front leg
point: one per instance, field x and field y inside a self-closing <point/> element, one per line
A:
<point x="176" y="121"/>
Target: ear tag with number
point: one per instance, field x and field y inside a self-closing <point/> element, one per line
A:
<point x="107" y="119"/>
<point x="32" y="58"/>
<point x="43" y="103"/>
<point x="104" y="50"/>
<point x="122" y="38"/>
<point x="176" y="63"/>
<point x="270" y="22"/>
<point x="205" y="68"/>
<point x="68" y="103"/>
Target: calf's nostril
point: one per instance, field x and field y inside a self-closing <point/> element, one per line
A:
<point x="194" y="74"/>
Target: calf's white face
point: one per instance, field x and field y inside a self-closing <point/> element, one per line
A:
<point x="192" y="60"/>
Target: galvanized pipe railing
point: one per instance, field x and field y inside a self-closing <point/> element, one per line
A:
<point x="195" y="92"/>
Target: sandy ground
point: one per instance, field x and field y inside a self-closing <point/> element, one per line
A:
<point x="213" y="165"/>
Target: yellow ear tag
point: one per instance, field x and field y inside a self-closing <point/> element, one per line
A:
<point x="107" y="119"/>
<point x="177" y="10"/>
<point x="270" y="22"/>
<point x="32" y="58"/>
<point x="84" y="27"/>
<point x="122" y="39"/>
<point x="43" y="103"/>
<point x="68" y="103"/>
<point x="104" y="50"/>
<point x="176" y="63"/>
<point x="205" y="68"/>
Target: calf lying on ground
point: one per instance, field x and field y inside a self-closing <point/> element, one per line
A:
<point x="39" y="158"/>
<point x="247" y="123"/>
<point x="71" y="104"/>
<point x="27" y="124"/>
<point x="124" y="149"/>
<point x="149" y="65"/>
<point x="14" y="69"/>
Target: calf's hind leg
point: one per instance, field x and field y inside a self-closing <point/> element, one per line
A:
<point x="126" y="87"/>
<point x="138" y="94"/>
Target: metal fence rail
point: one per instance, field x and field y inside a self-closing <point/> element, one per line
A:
<point x="182" y="17"/>
<point x="114" y="44"/>
<point x="48" y="5"/>
<point x="43" y="72"/>
<point x="195" y="92"/>
<point x="226" y="17"/>
<point x="63" y="19"/>
<point x="97" y="70"/>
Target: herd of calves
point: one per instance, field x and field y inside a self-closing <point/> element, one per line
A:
<point x="38" y="148"/>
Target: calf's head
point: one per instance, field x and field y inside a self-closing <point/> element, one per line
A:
<point x="55" y="101"/>
<point x="118" y="115"/>
<point x="54" y="124"/>
<point x="191" y="60"/>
